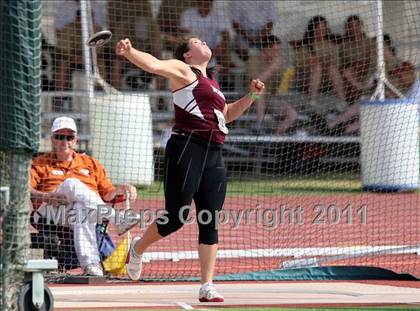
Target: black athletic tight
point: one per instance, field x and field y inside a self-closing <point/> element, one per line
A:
<point x="194" y="170"/>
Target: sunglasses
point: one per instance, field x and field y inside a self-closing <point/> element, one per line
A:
<point x="64" y="137"/>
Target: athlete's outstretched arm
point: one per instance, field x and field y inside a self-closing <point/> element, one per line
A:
<point x="171" y="69"/>
<point x="234" y="110"/>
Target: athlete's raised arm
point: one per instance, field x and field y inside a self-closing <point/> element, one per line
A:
<point x="177" y="71"/>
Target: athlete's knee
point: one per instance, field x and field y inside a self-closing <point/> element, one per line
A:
<point x="169" y="225"/>
<point x="174" y="219"/>
<point x="208" y="237"/>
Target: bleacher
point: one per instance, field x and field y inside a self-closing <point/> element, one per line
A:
<point x="258" y="152"/>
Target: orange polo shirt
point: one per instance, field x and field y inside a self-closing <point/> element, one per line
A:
<point x="47" y="173"/>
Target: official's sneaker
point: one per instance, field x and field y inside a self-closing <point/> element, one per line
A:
<point x="126" y="225"/>
<point x="94" y="269"/>
<point x="133" y="263"/>
<point x="209" y="294"/>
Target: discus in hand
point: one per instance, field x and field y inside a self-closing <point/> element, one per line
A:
<point x="99" y="39"/>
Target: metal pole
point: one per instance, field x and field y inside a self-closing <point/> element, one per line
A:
<point x="380" y="91"/>
<point x="4" y="196"/>
<point x="381" y="70"/>
<point x="86" y="52"/>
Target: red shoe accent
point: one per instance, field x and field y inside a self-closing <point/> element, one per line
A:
<point x="127" y="259"/>
<point x="216" y="299"/>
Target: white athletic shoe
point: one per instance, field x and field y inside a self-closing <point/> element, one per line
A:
<point x="124" y="226"/>
<point x="209" y="294"/>
<point x="133" y="263"/>
<point x="94" y="269"/>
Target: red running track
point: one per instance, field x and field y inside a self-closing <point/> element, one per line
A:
<point x="307" y="221"/>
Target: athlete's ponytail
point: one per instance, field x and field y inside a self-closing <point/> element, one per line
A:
<point x="181" y="49"/>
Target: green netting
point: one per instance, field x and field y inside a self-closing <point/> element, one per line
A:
<point x="15" y="236"/>
<point x="20" y="46"/>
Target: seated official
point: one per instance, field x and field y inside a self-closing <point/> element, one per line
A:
<point x="80" y="183"/>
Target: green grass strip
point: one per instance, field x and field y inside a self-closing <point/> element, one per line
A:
<point x="296" y="185"/>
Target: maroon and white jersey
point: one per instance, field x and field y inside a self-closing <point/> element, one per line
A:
<point x="199" y="109"/>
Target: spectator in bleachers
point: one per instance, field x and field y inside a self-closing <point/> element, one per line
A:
<point x="302" y="64"/>
<point x="358" y="59"/>
<point x="274" y="73"/>
<point x="270" y="73"/>
<point x="403" y="77"/>
<point x="169" y="20"/>
<point x="48" y="55"/>
<point x="390" y="53"/>
<point x="69" y="38"/>
<point x="401" y="74"/>
<point x="212" y="26"/>
<point x="252" y="21"/>
<point x="134" y="19"/>
<point x="324" y="59"/>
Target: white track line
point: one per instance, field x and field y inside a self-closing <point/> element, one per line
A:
<point x="285" y="252"/>
<point x="185" y="306"/>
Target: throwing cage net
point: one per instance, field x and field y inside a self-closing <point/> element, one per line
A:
<point x="323" y="169"/>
